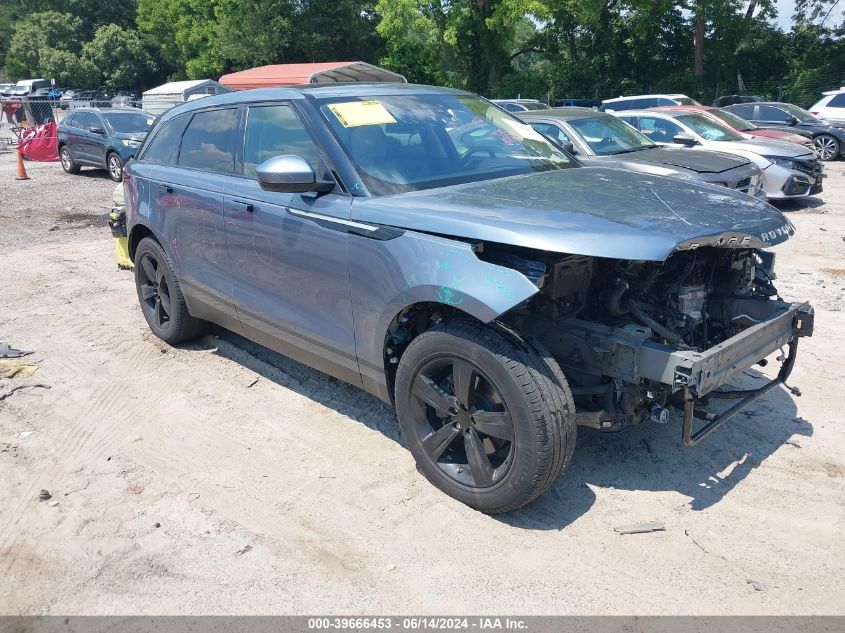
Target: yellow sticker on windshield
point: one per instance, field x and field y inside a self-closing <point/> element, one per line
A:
<point x="357" y="113"/>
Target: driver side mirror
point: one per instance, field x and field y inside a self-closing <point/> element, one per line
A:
<point x="96" y="130"/>
<point x="791" y="120"/>
<point x="290" y="174"/>
<point x="569" y="148"/>
<point x="684" y="139"/>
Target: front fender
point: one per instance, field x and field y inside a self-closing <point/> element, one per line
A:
<point x="390" y="275"/>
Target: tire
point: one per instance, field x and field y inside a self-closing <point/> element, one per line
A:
<point x="160" y="296"/>
<point x="478" y="459"/>
<point x="114" y="165"/>
<point x="827" y="147"/>
<point x="68" y="165"/>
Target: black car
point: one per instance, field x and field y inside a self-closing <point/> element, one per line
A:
<point x="726" y="100"/>
<point x="828" y="138"/>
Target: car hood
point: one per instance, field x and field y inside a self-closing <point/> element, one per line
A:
<point x="766" y="147"/>
<point x="692" y="160"/>
<point x="782" y="135"/>
<point x="596" y="211"/>
<point x="131" y="136"/>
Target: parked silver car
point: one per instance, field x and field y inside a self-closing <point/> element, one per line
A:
<point x="789" y="170"/>
<point x="597" y="138"/>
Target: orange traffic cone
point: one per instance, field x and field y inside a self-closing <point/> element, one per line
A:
<point x="21" y="169"/>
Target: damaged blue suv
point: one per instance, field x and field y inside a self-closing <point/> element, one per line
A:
<point x="430" y="248"/>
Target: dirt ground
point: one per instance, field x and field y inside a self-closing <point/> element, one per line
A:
<point x="222" y="478"/>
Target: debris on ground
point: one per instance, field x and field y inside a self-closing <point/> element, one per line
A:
<point x="193" y="496"/>
<point x="16" y="369"/>
<point x="8" y="393"/>
<point x="53" y="503"/>
<point x="10" y="352"/>
<point x="78" y="486"/>
<point x="241" y="552"/>
<point x="641" y="528"/>
<point x="758" y="585"/>
<point x="793" y="443"/>
<point x="136" y="490"/>
<point x="44" y="495"/>
<point x="25" y="434"/>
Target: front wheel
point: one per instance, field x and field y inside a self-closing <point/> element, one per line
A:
<point x="827" y="147"/>
<point x="115" y="166"/>
<point x="488" y="418"/>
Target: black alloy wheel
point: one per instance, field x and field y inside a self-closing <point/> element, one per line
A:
<point x="463" y="422"/>
<point x="155" y="293"/>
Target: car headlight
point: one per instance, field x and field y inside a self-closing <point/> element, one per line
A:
<point x="782" y="162"/>
<point x="128" y="142"/>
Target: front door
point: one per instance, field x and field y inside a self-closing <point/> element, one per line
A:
<point x="288" y="252"/>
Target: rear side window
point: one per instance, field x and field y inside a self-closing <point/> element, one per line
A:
<point x="768" y="113"/>
<point x="838" y="101"/>
<point x="164" y="148"/>
<point x="659" y="130"/>
<point x="209" y="141"/>
<point x="68" y="121"/>
<point x="275" y="130"/>
<point x="744" y="111"/>
<point x="663" y="101"/>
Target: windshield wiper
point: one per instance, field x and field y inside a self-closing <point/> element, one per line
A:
<point x="635" y="149"/>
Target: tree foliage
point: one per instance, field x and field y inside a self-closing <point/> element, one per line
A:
<point x="573" y="48"/>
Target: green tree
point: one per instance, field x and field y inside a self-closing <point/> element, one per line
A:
<point x="69" y="69"/>
<point x="119" y="55"/>
<point x="38" y="33"/>
<point x="186" y="32"/>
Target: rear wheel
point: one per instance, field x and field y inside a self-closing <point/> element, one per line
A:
<point x="115" y="166"/>
<point x="67" y="161"/>
<point x="489" y="421"/>
<point x="161" y="297"/>
<point x="827" y="147"/>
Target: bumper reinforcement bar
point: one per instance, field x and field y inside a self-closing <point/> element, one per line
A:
<point x="746" y="398"/>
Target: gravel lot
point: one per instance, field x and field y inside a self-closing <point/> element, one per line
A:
<point x="222" y="478"/>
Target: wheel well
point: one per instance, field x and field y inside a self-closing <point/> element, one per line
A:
<point x="412" y="321"/>
<point x="139" y="232"/>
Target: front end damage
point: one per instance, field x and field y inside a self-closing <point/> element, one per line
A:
<point x="636" y="337"/>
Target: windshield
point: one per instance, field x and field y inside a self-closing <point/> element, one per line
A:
<point x="708" y="129"/>
<point x="736" y="122"/>
<point x="534" y="106"/>
<point x="685" y="101"/>
<point x="799" y="113"/>
<point x="128" y="122"/>
<point x="413" y="142"/>
<point x="608" y="135"/>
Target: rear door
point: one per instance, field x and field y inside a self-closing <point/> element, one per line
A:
<point x="195" y="156"/>
<point x="81" y="145"/>
<point x="98" y="139"/>
<point x="289" y="251"/>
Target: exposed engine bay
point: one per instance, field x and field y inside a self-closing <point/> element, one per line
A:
<point x="633" y="337"/>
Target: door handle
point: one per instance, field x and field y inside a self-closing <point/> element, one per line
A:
<point x="247" y="206"/>
<point x="167" y="188"/>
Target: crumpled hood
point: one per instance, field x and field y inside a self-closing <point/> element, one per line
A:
<point x="688" y="159"/>
<point x="595" y="211"/>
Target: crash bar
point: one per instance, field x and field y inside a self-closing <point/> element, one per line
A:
<point x="691" y="438"/>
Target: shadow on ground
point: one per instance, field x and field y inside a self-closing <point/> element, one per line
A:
<point x="647" y="457"/>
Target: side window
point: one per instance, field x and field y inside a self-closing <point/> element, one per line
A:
<point x="68" y="120"/>
<point x="275" y="130"/>
<point x="838" y="101"/>
<point x="744" y="111"/>
<point x="552" y="131"/>
<point x="769" y="113"/>
<point x="658" y="130"/>
<point x="209" y="141"/>
<point x="663" y="101"/>
<point x="96" y="122"/>
<point x="82" y="120"/>
<point x="164" y="148"/>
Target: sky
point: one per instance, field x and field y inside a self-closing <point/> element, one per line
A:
<point x="785" y="10"/>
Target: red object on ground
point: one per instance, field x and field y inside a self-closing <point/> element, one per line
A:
<point x="295" y="74"/>
<point x="40" y="143"/>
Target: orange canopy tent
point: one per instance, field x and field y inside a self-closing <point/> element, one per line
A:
<point x="322" y="72"/>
